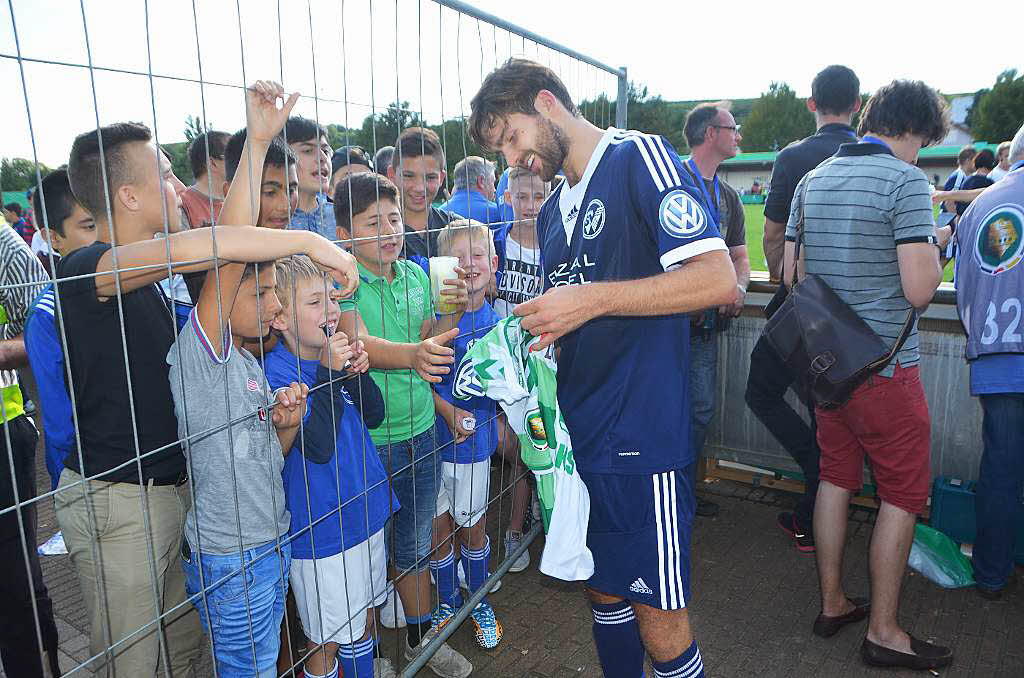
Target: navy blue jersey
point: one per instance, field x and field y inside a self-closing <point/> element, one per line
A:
<point x="622" y="381"/>
<point x="481" y="445"/>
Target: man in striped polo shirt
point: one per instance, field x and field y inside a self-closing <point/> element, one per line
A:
<point x="870" y="234"/>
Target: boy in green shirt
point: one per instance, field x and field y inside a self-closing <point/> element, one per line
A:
<point x="406" y="344"/>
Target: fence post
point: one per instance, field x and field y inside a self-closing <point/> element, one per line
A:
<point x="622" y="102"/>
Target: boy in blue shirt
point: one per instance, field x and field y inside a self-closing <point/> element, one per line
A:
<point x="467" y="438"/>
<point x="335" y="485"/>
<point x="68" y="227"/>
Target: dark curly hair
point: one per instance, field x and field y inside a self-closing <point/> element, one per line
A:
<point x="512" y="88"/>
<point x="906" y="107"/>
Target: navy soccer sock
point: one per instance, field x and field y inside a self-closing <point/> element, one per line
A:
<point x="618" y="640"/>
<point x="686" y="665"/>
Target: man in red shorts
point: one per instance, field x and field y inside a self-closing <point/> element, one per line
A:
<point x="870" y="234"/>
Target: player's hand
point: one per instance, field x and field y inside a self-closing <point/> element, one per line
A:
<point x="734" y="309"/>
<point x="360" y="358"/>
<point x="557" y="312"/>
<point x="455" y="292"/>
<point x="336" y="352"/>
<point x="290" y="407"/>
<point x="335" y="261"/>
<point x="453" y="417"/>
<point x="264" y="120"/>
<point x="432" y="357"/>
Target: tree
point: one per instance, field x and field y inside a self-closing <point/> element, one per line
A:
<point x="997" y="112"/>
<point x="194" y="127"/>
<point x="19" y="174"/>
<point x="777" y="118"/>
<point x="382" y="129"/>
<point x="180" y="164"/>
<point x="648" y="114"/>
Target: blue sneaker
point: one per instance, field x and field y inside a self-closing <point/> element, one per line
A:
<point x="488" y="629"/>
<point x="440" y="617"/>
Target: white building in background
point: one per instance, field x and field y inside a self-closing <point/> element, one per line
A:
<point x="959" y="135"/>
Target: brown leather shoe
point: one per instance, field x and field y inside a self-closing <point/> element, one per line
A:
<point x="925" y="655"/>
<point x="826" y="627"/>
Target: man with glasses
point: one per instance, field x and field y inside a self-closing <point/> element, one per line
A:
<point x="713" y="136"/>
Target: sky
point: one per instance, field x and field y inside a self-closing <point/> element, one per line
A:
<point x="357" y="56"/>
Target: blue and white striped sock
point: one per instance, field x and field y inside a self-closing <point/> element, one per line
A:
<point x="618" y="639"/>
<point x="475" y="563"/>
<point x="444" y="578"/>
<point x="686" y="665"/>
<point x="356" y="660"/>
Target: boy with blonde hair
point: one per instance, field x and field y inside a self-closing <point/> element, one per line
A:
<point x="335" y="484"/>
<point x="467" y="436"/>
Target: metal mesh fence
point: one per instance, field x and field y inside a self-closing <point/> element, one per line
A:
<point x="163" y="526"/>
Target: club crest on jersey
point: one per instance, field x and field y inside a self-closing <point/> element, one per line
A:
<point x="999" y="245"/>
<point x="593" y="219"/>
<point x="466" y="384"/>
<point x="681" y="216"/>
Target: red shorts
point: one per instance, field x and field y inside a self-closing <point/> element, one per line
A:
<point x="887" y="418"/>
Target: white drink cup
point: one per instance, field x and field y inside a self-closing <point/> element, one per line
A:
<point x="441" y="269"/>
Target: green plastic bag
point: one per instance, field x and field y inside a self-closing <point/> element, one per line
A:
<point x="939" y="559"/>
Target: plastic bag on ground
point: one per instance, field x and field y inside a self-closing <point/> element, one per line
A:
<point x="939" y="559"/>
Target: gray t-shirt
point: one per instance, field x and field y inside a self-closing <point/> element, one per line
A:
<point x="202" y="402"/>
<point x="860" y="205"/>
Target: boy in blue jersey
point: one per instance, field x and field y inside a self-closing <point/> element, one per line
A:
<point x="627" y="247"/>
<point x="68" y="227"/>
<point x="335" y="485"/>
<point x="468" y="436"/>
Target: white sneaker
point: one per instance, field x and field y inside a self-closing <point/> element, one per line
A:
<point x="512" y="542"/>
<point x="463" y="584"/>
<point x="392" y="615"/>
<point x="382" y="668"/>
<point x="446" y="662"/>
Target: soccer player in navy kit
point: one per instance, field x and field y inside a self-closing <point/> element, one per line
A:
<point x="627" y="247"/>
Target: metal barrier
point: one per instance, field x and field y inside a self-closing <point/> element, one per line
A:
<point x="736" y="435"/>
<point x="340" y="55"/>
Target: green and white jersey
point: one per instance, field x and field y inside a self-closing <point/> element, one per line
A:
<point x="524" y="383"/>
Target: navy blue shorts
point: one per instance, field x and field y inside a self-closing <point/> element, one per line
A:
<point x="639" y="534"/>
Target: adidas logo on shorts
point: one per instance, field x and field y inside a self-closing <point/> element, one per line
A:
<point x="640" y="587"/>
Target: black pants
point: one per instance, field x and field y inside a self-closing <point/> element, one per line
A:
<point x="19" y="644"/>
<point x="767" y="383"/>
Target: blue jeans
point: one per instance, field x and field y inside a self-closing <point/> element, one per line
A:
<point x="703" y="373"/>
<point x="414" y="468"/>
<point x="1000" y="481"/>
<point x="246" y="634"/>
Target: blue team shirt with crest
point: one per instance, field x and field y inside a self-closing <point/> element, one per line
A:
<point x="353" y="479"/>
<point x="481" y="445"/>
<point x="622" y="381"/>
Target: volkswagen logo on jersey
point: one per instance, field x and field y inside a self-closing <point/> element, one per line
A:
<point x="1000" y="242"/>
<point x="593" y="219"/>
<point x="681" y="216"/>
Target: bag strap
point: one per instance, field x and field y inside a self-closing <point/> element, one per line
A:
<point x="908" y="324"/>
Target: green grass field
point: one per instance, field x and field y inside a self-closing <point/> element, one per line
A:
<point x="754" y="215"/>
